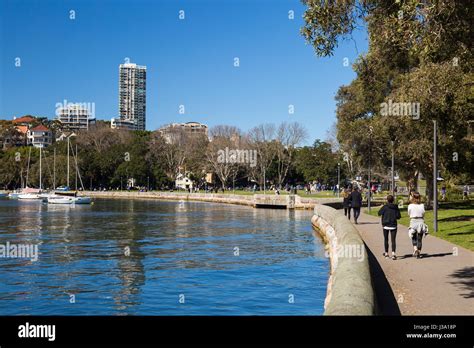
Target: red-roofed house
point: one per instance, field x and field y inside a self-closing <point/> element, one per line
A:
<point x="11" y="135"/>
<point x="40" y="136"/>
<point x="24" y="120"/>
<point x="22" y="129"/>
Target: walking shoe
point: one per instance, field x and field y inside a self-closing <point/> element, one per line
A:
<point x="394" y="257"/>
<point x="386" y="255"/>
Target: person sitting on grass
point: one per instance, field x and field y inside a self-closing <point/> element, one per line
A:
<point x="418" y="228"/>
<point x="390" y="214"/>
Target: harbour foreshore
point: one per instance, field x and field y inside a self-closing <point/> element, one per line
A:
<point x="253" y="200"/>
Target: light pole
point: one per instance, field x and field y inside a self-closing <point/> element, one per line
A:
<point x="393" y="168"/>
<point x="435" y="177"/>
<point x="338" y="179"/>
<point x="371" y="129"/>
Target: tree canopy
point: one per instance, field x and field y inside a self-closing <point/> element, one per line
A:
<point x="418" y="67"/>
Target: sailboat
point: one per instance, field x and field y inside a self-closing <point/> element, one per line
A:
<point x="17" y="192"/>
<point x="29" y="193"/>
<point x="69" y="199"/>
<point x="64" y="195"/>
<point x="14" y="194"/>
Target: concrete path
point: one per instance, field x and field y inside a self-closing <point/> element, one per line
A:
<point x="440" y="283"/>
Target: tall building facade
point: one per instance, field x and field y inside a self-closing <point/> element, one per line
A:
<point x="77" y="116"/>
<point x="171" y="131"/>
<point x="132" y="97"/>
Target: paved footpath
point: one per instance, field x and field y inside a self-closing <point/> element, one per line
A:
<point x="440" y="283"/>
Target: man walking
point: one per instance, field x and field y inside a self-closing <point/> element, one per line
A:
<point x="465" y="192"/>
<point x="355" y="201"/>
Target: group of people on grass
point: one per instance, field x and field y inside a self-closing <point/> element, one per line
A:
<point x="390" y="213"/>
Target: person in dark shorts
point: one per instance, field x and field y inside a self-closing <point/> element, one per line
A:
<point x="390" y="214"/>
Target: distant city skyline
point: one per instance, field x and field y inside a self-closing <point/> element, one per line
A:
<point x="203" y="65"/>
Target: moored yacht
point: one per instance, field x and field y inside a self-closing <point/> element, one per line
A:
<point x="29" y="193"/>
<point x="62" y="194"/>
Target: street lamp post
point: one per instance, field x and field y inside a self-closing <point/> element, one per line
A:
<point x="393" y="169"/>
<point x="338" y="179"/>
<point x="371" y="129"/>
<point x="435" y="177"/>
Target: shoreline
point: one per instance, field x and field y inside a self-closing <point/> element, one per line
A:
<point x="255" y="200"/>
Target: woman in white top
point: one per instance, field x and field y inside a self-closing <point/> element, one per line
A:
<point x="418" y="228"/>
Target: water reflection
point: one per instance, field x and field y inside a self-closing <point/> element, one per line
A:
<point x="137" y="256"/>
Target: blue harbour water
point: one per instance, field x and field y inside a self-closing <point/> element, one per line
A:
<point x="187" y="258"/>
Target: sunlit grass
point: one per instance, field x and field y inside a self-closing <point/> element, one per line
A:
<point x="455" y="222"/>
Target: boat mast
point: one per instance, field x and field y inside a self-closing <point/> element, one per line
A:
<point x="67" y="162"/>
<point x="40" y="170"/>
<point x="76" y="166"/>
<point x="78" y="174"/>
<point x="54" y="169"/>
<point x="28" y="168"/>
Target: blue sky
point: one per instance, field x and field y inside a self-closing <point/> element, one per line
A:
<point x="189" y="62"/>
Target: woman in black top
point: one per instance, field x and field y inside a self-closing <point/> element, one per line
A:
<point x="345" y="203"/>
<point x="390" y="214"/>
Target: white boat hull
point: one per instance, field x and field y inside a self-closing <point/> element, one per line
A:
<point x="29" y="196"/>
<point x="60" y="200"/>
<point x="83" y="200"/>
<point x="68" y="200"/>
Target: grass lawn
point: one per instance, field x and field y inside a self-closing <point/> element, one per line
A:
<point x="322" y="194"/>
<point x="455" y="222"/>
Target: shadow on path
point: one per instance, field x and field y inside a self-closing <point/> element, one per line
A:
<point x="385" y="298"/>
<point x="465" y="278"/>
<point x="423" y="256"/>
<point x="435" y="255"/>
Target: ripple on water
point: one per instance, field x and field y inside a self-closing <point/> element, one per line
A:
<point x="221" y="259"/>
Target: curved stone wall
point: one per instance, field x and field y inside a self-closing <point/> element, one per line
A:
<point x="350" y="290"/>
<point x="295" y="202"/>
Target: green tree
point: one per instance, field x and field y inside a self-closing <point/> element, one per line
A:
<point x="317" y="162"/>
<point x="419" y="53"/>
